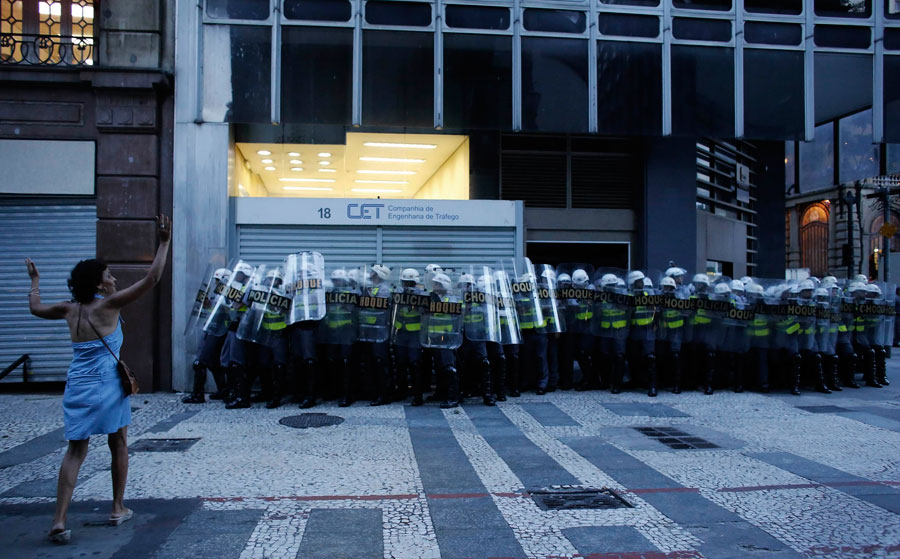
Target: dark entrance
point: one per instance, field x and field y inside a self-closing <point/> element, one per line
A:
<point x="611" y="255"/>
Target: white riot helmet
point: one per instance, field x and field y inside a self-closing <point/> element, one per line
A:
<point x="608" y="280"/>
<point x="722" y="289"/>
<point x="339" y="274"/>
<point x="580" y="277"/>
<point x="873" y="288"/>
<point x="381" y="271"/>
<point x="620" y="282"/>
<point x="276" y="276"/>
<point x="701" y="278"/>
<point x="737" y="285"/>
<point x="746" y="280"/>
<point x="500" y="276"/>
<point x="482" y="283"/>
<point x="806" y="285"/>
<point x="465" y="279"/>
<point x="353" y="275"/>
<point x="755" y="289"/>
<point x="674" y="272"/>
<point x="634" y="276"/>
<point x="821" y="292"/>
<point x="244" y="268"/>
<point x="648" y="283"/>
<point x="527" y="277"/>
<point x="667" y="281"/>
<point x="222" y="274"/>
<point x="855" y="286"/>
<point x="433" y="268"/>
<point x="441" y="279"/>
<point x="564" y="278"/>
<point x="829" y="280"/>
<point x="409" y="274"/>
<point x="548" y="273"/>
<point x="862" y="278"/>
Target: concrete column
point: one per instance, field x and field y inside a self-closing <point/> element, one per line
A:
<point x="667" y="211"/>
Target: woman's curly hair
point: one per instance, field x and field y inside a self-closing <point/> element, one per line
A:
<point x="84" y="279"/>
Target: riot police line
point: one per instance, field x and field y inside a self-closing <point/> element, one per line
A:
<point x="491" y="331"/>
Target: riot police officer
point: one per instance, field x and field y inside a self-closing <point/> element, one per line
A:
<point x="671" y="332"/>
<point x="208" y="354"/>
<point x="610" y="328"/>
<point x="642" y="334"/>
<point x="534" y="337"/>
<point x="373" y="330"/>
<point x="472" y="354"/>
<point x="441" y="332"/>
<point x="407" y="325"/>
<point x="337" y="331"/>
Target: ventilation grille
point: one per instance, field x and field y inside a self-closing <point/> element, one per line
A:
<point x="538" y="179"/>
<point x="604" y="181"/>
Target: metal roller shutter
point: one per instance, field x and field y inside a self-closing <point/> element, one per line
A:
<point x="451" y="247"/>
<point x="56" y="237"/>
<point x="341" y="246"/>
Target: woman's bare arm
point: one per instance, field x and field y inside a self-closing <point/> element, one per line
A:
<point x="52" y="311"/>
<point x="130" y="294"/>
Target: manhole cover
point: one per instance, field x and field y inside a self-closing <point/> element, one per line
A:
<point x="568" y="499"/>
<point x="311" y="420"/>
<point x="675" y="438"/>
<point x="162" y="445"/>
<point x="822" y="409"/>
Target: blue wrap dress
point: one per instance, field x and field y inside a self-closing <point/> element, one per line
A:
<point x="94" y="402"/>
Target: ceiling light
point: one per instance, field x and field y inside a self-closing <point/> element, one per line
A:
<point x="324" y="154"/>
<point x="293" y="154"/>
<point x="317" y="188"/>
<point x="375" y="172"/>
<point x="327" y="171"/>
<point x="296" y="162"/>
<point x="324" y="162"/>
<point x="270" y="168"/>
<point x="266" y="160"/>
<point x="398" y="145"/>
<point x="305" y="180"/>
<point x="360" y="181"/>
<point x="392" y="159"/>
<point x="298" y="169"/>
<point x="264" y="152"/>
<point x="376" y="190"/>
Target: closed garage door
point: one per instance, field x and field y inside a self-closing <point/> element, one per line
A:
<point x="56" y="237"/>
<point x="342" y="247"/>
<point x="451" y="247"/>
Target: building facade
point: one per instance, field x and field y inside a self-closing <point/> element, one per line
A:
<point x="86" y="121"/>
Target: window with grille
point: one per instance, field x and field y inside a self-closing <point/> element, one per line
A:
<point x="47" y="32"/>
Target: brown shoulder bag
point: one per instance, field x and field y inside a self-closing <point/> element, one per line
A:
<point x="126" y="375"/>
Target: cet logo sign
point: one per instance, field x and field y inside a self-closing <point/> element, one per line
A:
<point x="364" y="211"/>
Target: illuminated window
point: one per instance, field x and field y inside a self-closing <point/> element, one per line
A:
<point x="38" y="32"/>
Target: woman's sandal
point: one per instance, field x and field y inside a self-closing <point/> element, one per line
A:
<point x="60" y="536"/>
<point x="117" y="519"/>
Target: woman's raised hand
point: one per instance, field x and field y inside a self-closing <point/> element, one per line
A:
<point x="32" y="269"/>
<point x="164" y="228"/>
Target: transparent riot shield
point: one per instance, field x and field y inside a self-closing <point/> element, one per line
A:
<point x="443" y="320"/>
<point x="204" y="299"/>
<point x="481" y="322"/>
<point x="674" y="311"/>
<point x="265" y="319"/>
<point x="576" y="293"/>
<point x="510" y="334"/>
<point x="409" y="301"/>
<point x="374" y="307"/>
<point x="228" y="299"/>
<point x="338" y="326"/>
<point x="826" y="328"/>
<point x="552" y="307"/>
<point x="523" y="278"/>
<point x="612" y="304"/>
<point x="759" y="329"/>
<point x="890" y="314"/>
<point x="646" y="303"/>
<point x="305" y="277"/>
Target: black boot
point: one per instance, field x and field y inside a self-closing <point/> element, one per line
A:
<point x="869" y="368"/>
<point x="309" y="385"/>
<point x="618" y="374"/>
<point x="383" y="384"/>
<point x="452" y="382"/>
<point x="710" y="373"/>
<point x="650" y="361"/>
<point x="196" y="396"/>
<point x="847" y="365"/>
<point x="819" y="373"/>
<point x="417" y="379"/>
<point x="343" y="371"/>
<point x="512" y="375"/>
<point x="881" y="366"/>
<point x="830" y="370"/>
<point x="279" y="377"/>
<point x="265" y="384"/>
<point x="675" y="363"/>
<point x="794" y="370"/>
<point x="498" y="378"/>
<point x="240" y="388"/>
<point x="487" y="395"/>
<point x="221" y="383"/>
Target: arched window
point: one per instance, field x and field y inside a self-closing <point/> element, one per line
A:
<point x="877" y="241"/>
<point x="814" y="238"/>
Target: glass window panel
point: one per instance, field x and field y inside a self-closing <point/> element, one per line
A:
<point x="787" y="7"/>
<point x="554" y="84"/>
<point x="892" y="9"/>
<point x="893" y="159"/>
<point x="478" y="17"/>
<point x="317" y="10"/>
<point x="844" y="8"/>
<point x="843" y="36"/>
<point x="892" y="98"/>
<point x="411" y="14"/>
<point x="477" y="81"/>
<point x="629" y="87"/>
<point x="790" y="165"/>
<point x="398" y="83"/>
<point x="628" y="25"/>
<point x="768" y="33"/>
<point x="631" y="2"/>
<point x="555" y="21"/>
<point x="773" y="94"/>
<point x="892" y="38"/>
<point x="236" y="85"/>
<point x="721" y="5"/>
<point x="317" y="75"/>
<point x="703" y="91"/>
<point x="697" y="29"/>
<point x="859" y="156"/>
<point x="817" y="159"/>
<point x="238" y="9"/>
<point x="833" y="71"/>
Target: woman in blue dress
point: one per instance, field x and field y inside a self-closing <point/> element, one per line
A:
<point x="94" y="401"/>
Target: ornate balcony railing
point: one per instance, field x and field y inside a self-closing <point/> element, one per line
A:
<point x="46" y="50"/>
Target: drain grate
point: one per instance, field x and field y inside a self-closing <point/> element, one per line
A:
<point x="675" y="438"/>
<point x="163" y="445"/>
<point x="579" y="498"/>
<point x="822" y="409"/>
<point x="311" y="420"/>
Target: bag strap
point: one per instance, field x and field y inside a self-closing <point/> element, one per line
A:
<point x="99" y="336"/>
